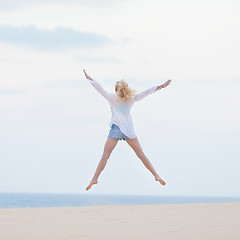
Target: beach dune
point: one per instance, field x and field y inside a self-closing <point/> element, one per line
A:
<point x="220" y="221"/>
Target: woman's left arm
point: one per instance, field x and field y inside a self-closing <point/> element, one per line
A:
<point x="97" y="86"/>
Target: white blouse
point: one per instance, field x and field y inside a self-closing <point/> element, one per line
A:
<point x="121" y="112"/>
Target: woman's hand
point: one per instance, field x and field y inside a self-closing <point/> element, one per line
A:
<point x="167" y="83"/>
<point x="164" y="85"/>
<point x="88" y="77"/>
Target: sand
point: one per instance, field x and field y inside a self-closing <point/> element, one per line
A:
<point x="215" y="221"/>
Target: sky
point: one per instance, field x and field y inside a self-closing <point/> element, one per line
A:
<point x="54" y="124"/>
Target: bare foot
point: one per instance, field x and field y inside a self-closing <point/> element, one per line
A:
<point x="91" y="183"/>
<point x="160" y="180"/>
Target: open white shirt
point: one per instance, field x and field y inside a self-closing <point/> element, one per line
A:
<point x="121" y="115"/>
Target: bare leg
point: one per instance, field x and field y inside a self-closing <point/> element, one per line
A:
<point x="135" y="145"/>
<point x="109" y="146"/>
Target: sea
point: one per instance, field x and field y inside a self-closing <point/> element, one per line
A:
<point x="39" y="200"/>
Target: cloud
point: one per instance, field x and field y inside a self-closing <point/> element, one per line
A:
<point x="11" y="4"/>
<point x="12" y="91"/>
<point x="58" y="39"/>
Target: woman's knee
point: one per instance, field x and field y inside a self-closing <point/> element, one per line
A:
<point x="140" y="154"/>
<point x="106" y="154"/>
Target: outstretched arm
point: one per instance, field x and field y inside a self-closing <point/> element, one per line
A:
<point x="97" y="86"/>
<point x="141" y="95"/>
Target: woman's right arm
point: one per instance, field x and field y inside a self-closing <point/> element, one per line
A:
<point x="141" y="95"/>
<point x="97" y="86"/>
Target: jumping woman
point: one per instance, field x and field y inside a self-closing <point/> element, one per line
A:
<point x="121" y="123"/>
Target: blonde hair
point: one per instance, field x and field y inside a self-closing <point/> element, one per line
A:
<point x="123" y="91"/>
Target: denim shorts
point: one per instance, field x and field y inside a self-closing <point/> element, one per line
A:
<point x="116" y="133"/>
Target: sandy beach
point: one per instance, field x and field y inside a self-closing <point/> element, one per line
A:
<point x="219" y="221"/>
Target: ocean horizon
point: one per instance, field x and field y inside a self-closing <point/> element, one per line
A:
<point x="38" y="200"/>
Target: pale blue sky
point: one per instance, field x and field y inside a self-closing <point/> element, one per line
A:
<point x="54" y="124"/>
<point x="50" y="40"/>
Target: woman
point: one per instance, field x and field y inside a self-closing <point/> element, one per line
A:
<point x="121" y="123"/>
